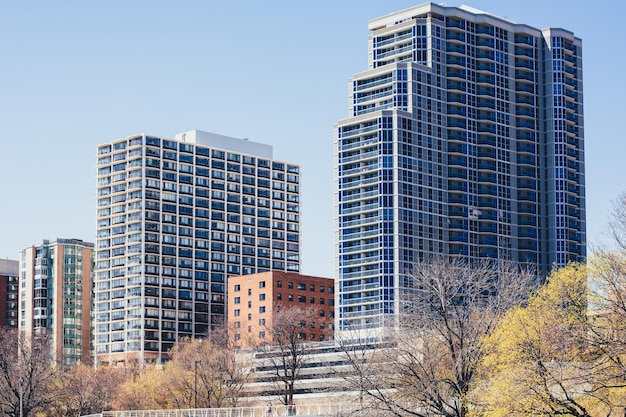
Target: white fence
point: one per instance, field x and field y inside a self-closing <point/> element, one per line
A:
<point x="329" y="409"/>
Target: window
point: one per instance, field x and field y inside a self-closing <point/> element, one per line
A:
<point x="262" y="309"/>
<point x="321" y="301"/>
<point x="321" y="288"/>
<point x="312" y="300"/>
<point x="290" y="285"/>
<point x="312" y="287"/>
<point x="249" y="316"/>
<point x="279" y="284"/>
<point x="237" y="287"/>
<point x="237" y="300"/>
<point x="301" y="299"/>
<point x="261" y="322"/>
<point x="261" y="297"/>
<point x="237" y="324"/>
<point x="301" y="286"/>
<point x="249" y="304"/>
<point x="279" y="296"/>
<point x="237" y="312"/>
<point x="249" y="291"/>
<point x="262" y="284"/>
<point x="290" y="297"/>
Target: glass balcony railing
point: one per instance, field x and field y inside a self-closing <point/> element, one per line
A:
<point x="359" y="248"/>
<point x="373" y="83"/>
<point x="360" y="209"/>
<point x="393" y="39"/>
<point x="358" y="144"/>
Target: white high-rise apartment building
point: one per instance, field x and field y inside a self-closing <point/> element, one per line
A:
<point x="175" y="219"/>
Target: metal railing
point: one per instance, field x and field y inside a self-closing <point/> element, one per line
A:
<point x="327" y="409"/>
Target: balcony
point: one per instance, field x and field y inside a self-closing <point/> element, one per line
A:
<point x="482" y="42"/>
<point x="359" y="144"/>
<point x="455" y="36"/>
<point x="522" y="63"/>
<point x="456" y="73"/>
<point x="487" y="153"/>
<point x="359" y="235"/>
<point x="354" y="131"/>
<point x="359" y="261"/>
<point x="454" y="123"/>
<point x="393" y="51"/>
<point x="360" y="156"/>
<point x="527" y="208"/>
<point x="359" y="274"/>
<point x="361" y="222"/>
<point x="457" y="148"/>
<point x="455" y="48"/>
<point x="457" y="160"/>
<point x="485" y="54"/>
<point x="392" y="39"/>
<point x="485" y="79"/>
<point x="359" y="182"/>
<point x="360" y="208"/>
<point x="457" y="199"/>
<point x="360" y="170"/>
<point x="359" y="248"/>
<point x="526" y="160"/>
<point x="359" y="288"/>
<point x="358" y="196"/>
<point x="527" y="221"/>
<point x="523" y="88"/>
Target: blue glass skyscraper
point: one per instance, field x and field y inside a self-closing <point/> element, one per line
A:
<point x="465" y="137"/>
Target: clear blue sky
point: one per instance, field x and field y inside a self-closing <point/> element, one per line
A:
<point x="74" y="74"/>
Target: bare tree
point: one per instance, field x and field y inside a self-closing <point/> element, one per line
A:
<point x="27" y="374"/>
<point x="604" y="333"/>
<point x="84" y="390"/>
<point x="448" y="306"/>
<point x="289" y="353"/>
<point x="617" y="222"/>
<point x="364" y="358"/>
<point x="224" y="376"/>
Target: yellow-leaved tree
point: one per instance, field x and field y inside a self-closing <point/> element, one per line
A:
<point x="537" y="360"/>
<point x="142" y="391"/>
<point x="204" y="373"/>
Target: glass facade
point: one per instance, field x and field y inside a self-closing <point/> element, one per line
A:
<point x="465" y="137"/>
<point x="175" y="219"/>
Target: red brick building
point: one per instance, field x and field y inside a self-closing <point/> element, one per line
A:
<point x="254" y="299"/>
